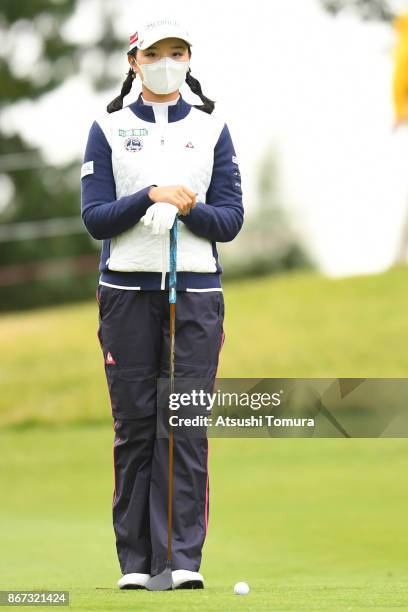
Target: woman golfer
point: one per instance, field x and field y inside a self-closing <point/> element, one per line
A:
<point x="145" y="163"/>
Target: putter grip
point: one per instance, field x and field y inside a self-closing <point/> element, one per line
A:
<point x="173" y="263"/>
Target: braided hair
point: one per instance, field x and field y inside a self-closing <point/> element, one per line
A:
<point x="192" y="82"/>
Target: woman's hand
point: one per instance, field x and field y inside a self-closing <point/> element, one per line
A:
<point x="180" y="196"/>
<point x="160" y="216"/>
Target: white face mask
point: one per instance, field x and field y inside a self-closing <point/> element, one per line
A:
<point x="164" y="76"/>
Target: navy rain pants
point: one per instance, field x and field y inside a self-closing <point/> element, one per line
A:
<point x="134" y="337"/>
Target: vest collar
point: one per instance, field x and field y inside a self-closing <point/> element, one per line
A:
<point x="175" y="112"/>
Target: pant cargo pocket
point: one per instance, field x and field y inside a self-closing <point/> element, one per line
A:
<point x="133" y="393"/>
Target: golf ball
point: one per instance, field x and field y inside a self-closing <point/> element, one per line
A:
<point x="241" y="588"/>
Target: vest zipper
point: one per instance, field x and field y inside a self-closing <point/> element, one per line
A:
<point x="165" y="246"/>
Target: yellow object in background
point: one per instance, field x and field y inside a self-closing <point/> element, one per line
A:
<point x="400" y="77"/>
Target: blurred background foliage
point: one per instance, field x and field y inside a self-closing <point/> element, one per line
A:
<point x="40" y="269"/>
<point x="40" y="191"/>
<point x="268" y="242"/>
<point x="44" y="267"/>
<point x="366" y="9"/>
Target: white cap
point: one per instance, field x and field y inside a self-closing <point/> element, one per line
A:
<point x="153" y="31"/>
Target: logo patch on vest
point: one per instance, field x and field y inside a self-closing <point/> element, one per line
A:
<point x="133" y="144"/>
<point x="134" y="132"/>
<point x="189" y="145"/>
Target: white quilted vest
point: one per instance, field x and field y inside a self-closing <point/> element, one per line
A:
<point x="140" y="159"/>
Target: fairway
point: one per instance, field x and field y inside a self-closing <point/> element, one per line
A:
<point x="310" y="524"/>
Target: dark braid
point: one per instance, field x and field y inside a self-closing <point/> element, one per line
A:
<point x="192" y="82"/>
<point x="195" y="87"/>
<point x="117" y="103"/>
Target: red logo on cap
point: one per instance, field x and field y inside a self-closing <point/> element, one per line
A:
<point x="134" y="37"/>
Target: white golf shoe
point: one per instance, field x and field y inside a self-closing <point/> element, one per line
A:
<point x="133" y="581"/>
<point x="184" y="579"/>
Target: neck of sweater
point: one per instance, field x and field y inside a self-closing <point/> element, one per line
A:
<point x="160" y="104"/>
<point x="161" y="109"/>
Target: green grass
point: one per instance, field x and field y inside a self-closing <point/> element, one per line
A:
<point x="310" y="524"/>
<point x="295" y="325"/>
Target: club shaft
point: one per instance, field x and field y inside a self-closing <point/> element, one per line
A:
<point x="171" y="436"/>
<point x="172" y="331"/>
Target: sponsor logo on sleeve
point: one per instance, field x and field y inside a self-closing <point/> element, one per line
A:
<point x="87" y="168"/>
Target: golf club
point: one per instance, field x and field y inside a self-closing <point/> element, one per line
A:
<point x="164" y="580"/>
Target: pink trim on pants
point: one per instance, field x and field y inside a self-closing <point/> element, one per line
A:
<point x="208" y="452"/>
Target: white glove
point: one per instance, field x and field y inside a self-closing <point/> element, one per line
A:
<point x="161" y="216"/>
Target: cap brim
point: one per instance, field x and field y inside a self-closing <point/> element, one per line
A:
<point x="145" y="43"/>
